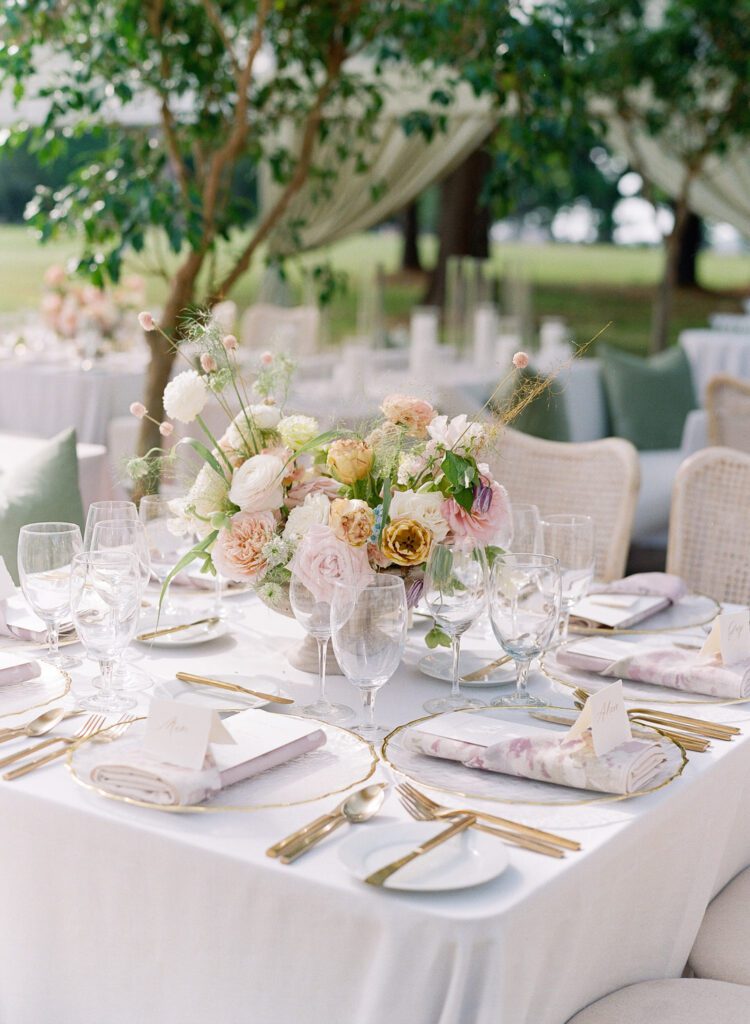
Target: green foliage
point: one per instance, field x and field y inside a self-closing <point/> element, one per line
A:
<point x="437" y="637"/>
<point x="461" y="475"/>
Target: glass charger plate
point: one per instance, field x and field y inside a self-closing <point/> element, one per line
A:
<point x="346" y="760"/>
<point x="472" y="784"/>
<point x="565" y="679"/>
<point x="439" y="665"/>
<point x="691" y="611"/>
<point x="18" y="698"/>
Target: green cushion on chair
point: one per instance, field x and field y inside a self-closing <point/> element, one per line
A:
<point x="45" y="489"/>
<point x="543" y="417"/>
<point x="648" y="399"/>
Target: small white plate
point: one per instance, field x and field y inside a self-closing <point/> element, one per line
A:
<point x="439" y="665"/>
<point x="185" y="638"/>
<point x="220" y="700"/>
<point x="468" y="859"/>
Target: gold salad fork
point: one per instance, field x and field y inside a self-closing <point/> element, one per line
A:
<point x="89" y="728"/>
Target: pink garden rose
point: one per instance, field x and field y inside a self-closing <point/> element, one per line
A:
<point x="493" y="525"/>
<point x="312" y="485"/>
<point x="321" y="559"/>
<point x="238" y="550"/>
<point x="405" y="411"/>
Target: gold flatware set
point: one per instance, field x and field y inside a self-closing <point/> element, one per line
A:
<point x="94" y="728"/>
<point x="220" y="684"/>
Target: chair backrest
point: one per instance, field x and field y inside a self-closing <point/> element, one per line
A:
<point x="709" y="524"/>
<point x="728" y="407"/>
<point x="595" y="478"/>
<point x="292" y="330"/>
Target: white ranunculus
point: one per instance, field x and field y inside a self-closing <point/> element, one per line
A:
<point x="315" y="509"/>
<point x="256" y="485"/>
<point x="185" y="397"/>
<point x="208" y="494"/>
<point x="266" y="417"/>
<point x="459" y="434"/>
<point x="423" y="507"/>
<point x="298" y="430"/>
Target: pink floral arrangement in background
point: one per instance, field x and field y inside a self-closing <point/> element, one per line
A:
<point x="70" y="307"/>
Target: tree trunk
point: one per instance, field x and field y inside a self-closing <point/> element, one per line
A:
<point x="410" y="226"/>
<point x="464" y="222"/>
<point x="687" y="260"/>
<point x="664" y="295"/>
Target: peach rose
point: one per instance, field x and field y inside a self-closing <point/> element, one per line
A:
<point x="413" y="413"/>
<point x="312" y="484"/>
<point x="238" y="550"/>
<point x="322" y="560"/>
<point x="352" y="521"/>
<point x="349" y="460"/>
<point x="406" y="542"/>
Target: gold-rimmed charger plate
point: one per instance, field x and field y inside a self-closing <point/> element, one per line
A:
<point x="345" y="761"/>
<point x="453" y="778"/>
<point x="567" y="679"/>
<point x="20" y="698"/>
<point x="690" y="612"/>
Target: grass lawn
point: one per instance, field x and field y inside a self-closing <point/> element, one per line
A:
<point x="589" y="285"/>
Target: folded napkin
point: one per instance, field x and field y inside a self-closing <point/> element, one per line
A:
<point x="18" y="621"/>
<point x="17" y="670"/>
<point x="665" y="666"/>
<point x="535" y="754"/>
<point x="646" y="584"/>
<point x="137" y="775"/>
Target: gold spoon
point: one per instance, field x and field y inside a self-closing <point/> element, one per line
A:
<point x="359" y="807"/>
<point x="40" y="725"/>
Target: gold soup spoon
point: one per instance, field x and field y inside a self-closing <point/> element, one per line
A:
<point x="359" y="807"/>
<point x="37" y="726"/>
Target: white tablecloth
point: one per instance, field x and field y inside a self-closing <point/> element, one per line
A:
<point x="118" y="914"/>
<point x="711" y="352"/>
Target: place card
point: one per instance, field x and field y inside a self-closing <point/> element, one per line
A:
<point x="180" y="733"/>
<point x="605" y="714"/>
<point x="729" y="637"/>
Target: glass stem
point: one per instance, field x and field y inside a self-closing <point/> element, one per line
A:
<point x="368" y="708"/>
<point x="106" y="670"/>
<point x="322" y="654"/>
<point x="53" y="640"/>
<point x="456" y="645"/>
<point x="523" y="674"/>
<point x="217" y="596"/>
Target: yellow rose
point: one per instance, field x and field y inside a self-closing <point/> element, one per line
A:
<point x="406" y="542"/>
<point x="349" y="460"/>
<point x="351" y="521"/>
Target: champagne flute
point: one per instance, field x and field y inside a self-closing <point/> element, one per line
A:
<point x="368" y="632"/>
<point x="570" y="539"/>
<point x="45" y="555"/>
<point x="454" y="593"/>
<point x="314" y="615"/>
<point x="165" y="546"/>
<point x="105" y="598"/>
<point x="107" y="511"/>
<point x="524" y="610"/>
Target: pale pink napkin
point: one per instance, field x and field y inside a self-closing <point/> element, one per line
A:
<point x="17" y="670"/>
<point x="682" y="670"/>
<point x="646" y="584"/>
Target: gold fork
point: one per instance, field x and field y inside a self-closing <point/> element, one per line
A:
<point x="89" y="729"/>
<point x="35" y="747"/>
<point x="528" y="831"/>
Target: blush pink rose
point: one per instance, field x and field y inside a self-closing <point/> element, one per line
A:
<point x="493" y="526"/>
<point x="313" y="485"/>
<point x="322" y="559"/>
<point x="413" y="413"/>
<point x="238" y="550"/>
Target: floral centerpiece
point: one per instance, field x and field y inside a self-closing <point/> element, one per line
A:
<point x="71" y="307"/>
<point x="275" y="496"/>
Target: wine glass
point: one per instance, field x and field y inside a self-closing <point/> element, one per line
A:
<point x="165" y="546"/>
<point x="101" y="511"/>
<point x="570" y="539"/>
<point x="45" y="555"/>
<point x="527" y="529"/>
<point x="368" y="632"/>
<point x="454" y="593"/>
<point x="524" y="610"/>
<point x="105" y="598"/>
<point x="314" y="615"/>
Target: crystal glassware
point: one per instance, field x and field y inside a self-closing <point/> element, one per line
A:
<point x="105" y="598"/>
<point x="570" y="539"/>
<point x="165" y="546"/>
<point x="101" y="511"/>
<point x="527" y="529"/>
<point x="524" y="611"/>
<point x="454" y="594"/>
<point x="314" y="615"/>
<point x="45" y="556"/>
<point x="368" y="632"/>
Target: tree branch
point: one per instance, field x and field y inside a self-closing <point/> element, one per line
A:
<point x="214" y="16"/>
<point x="168" y="123"/>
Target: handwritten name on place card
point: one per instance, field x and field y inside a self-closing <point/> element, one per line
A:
<point x="729" y="637"/>
<point x="605" y="714"/>
<point x="180" y="733"/>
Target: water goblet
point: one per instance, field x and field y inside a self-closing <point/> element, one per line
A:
<point x="368" y="632"/>
<point x="570" y="539"/>
<point x="527" y="529"/>
<point x="105" y="597"/>
<point x="524" y="611"/>
<point x="45" y="556"/>
<point x="165" y="546"/>
<point x="314" y="615"/>
<point x="107" y="511"/>
<point x="455" y="593"/>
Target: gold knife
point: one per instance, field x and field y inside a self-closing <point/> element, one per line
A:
<point x="188" y="677"/>
<point x="177" y="629"/>
<point x="482" y="673"/>
<point x="383" y="874"/>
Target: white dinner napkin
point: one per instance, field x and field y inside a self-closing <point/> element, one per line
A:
<point x="14" y="669"/>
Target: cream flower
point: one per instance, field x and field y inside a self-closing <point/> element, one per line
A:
<point x="185" y="396"/>
<point x="315" y="510"/>
<point x="423" y="507"/>
<point x="208" y="494"/>
<point x="298" y="430"/>
<point x="265" y="417"/>
<point x="257" y="484"/>
<point x="349" y="460"/>
<point x="459" y="434"/>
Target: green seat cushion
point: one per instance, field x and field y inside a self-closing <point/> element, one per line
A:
<point x="545" y="416"/>
<point x="648" y="399"/>
<point x="42" y="490"/>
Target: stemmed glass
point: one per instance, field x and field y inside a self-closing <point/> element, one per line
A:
<point x="105" y="598"/>
<point x="527" y="529"/>
<point x="454" y="593"/>
<point x="368" y="632"/>
<point x="314" y="615"/>
<point x="45" y="555"/>
<point x="570" y="539"/>
<point x="524" y="610"/>
<point x="107" y="511"/>
<point x="165" y="546"/>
